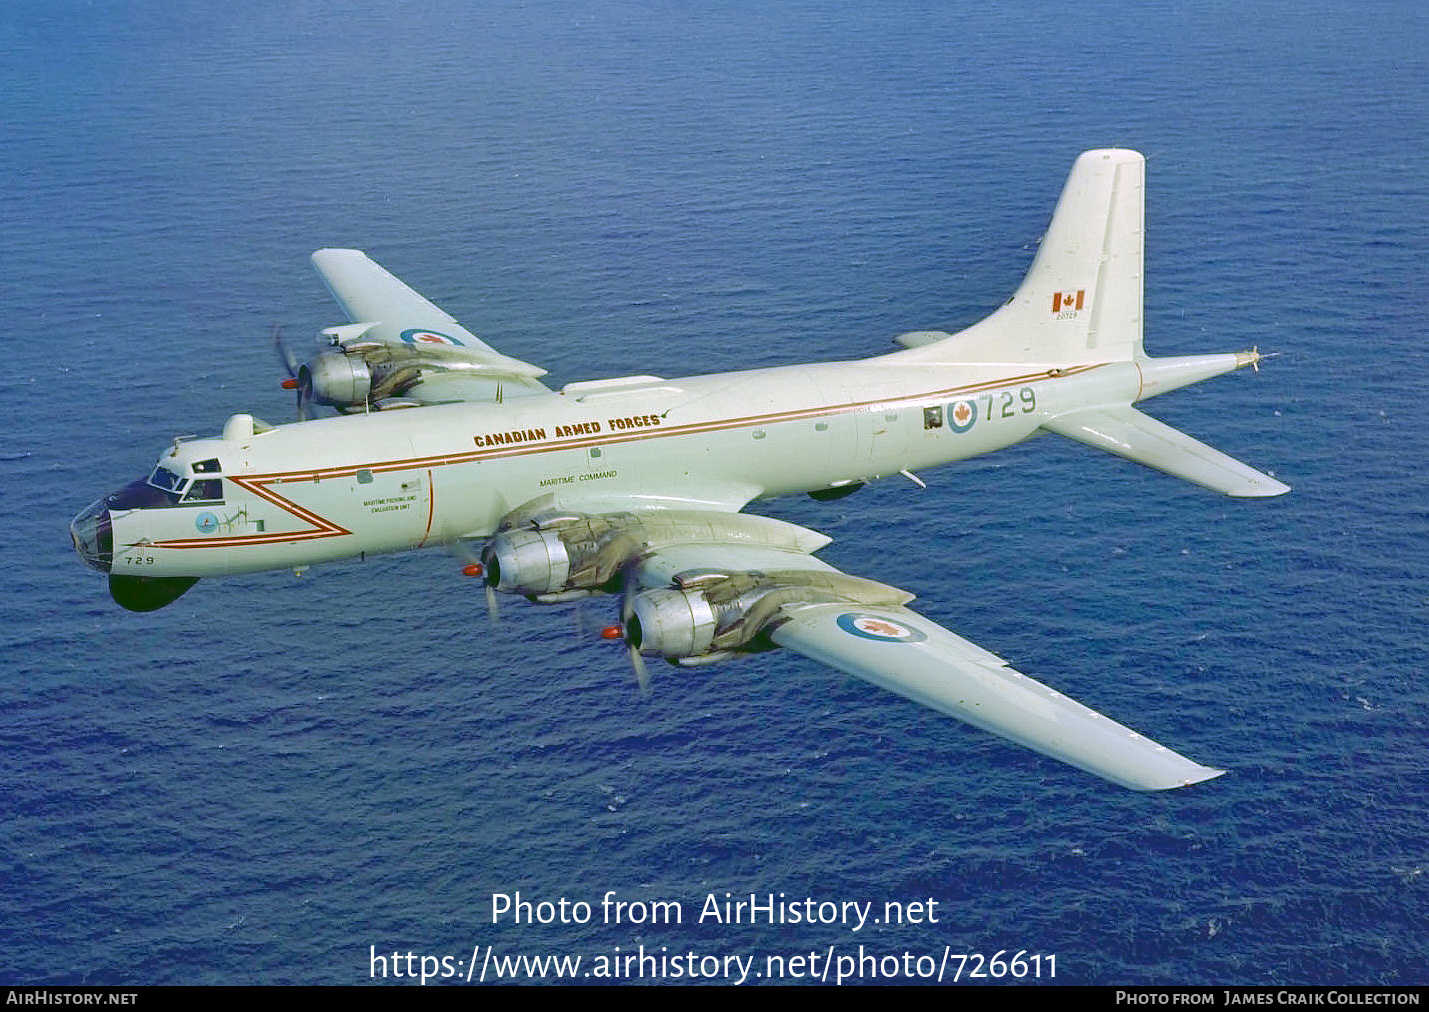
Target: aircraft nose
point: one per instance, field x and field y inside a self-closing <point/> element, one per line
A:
<point x="93" y="536"/>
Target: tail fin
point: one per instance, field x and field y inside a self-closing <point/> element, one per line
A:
<point x="1081" y="304"/>
<point x="1081" y="299"/>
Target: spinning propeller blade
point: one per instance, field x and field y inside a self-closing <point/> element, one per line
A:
<point x="295" y="372"/>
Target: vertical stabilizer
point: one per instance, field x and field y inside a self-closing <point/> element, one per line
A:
<point x="1081" y="300"/>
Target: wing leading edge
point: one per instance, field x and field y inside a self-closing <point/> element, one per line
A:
<point x="899" y="650"/>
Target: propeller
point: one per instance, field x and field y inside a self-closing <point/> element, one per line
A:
<point x="475" y="567"/>
<point x="588" y="626"/>
<point x="294" y="370"/>
<point x="637" y="662"/>
<point x="642" y="674"/>
<point x="627" y="608"/>
<point x="620" y="630"/>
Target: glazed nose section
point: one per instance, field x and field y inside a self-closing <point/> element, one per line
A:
<point x="93" y="536"/>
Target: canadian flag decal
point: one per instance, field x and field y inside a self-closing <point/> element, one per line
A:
<point x="1065" y="301"/>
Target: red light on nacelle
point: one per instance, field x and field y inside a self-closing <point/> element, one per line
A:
<point x="612" y="632"/>
<point x="475" y="569"/>
<point x="289" y="384"/>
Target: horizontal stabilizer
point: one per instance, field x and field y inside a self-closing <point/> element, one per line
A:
<point x="903" y="652"/>
<point x="1128" y="433"/>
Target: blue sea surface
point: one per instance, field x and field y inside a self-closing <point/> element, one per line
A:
<point x="275" y="778"/>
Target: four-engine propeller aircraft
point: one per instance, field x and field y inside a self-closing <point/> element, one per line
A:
<point x="635" y="486"/>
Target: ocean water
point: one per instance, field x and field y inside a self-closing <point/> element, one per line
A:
<point x="275" y="778"/>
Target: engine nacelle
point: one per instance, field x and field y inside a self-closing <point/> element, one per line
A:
<point x="336" y="379"/>
<point x="527" y="562"/>
<point x="555" y="556"/>
<point x="706" y="615"/>
<point x="672" y="623"/>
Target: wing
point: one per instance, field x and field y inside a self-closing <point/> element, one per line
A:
<point x="412" y="349"/>
<point x="900" y="650"/>
<point x="701" y="585"/>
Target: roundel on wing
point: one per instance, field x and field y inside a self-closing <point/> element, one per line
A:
<point x="878" y="628"/>
<point x="420" y="335"/>
<point x="962" y="415"/>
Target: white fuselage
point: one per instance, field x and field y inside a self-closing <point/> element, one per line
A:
<point x="340" y="487"/>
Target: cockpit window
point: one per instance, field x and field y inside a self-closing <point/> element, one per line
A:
<point x="165" y="479"/>
<point x="205" y="490"/>
<point x="209" y="466"/>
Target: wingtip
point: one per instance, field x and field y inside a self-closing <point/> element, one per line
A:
<point x="1210" y="773"/>
<point x="336" y="253"/>
<point x="1118" y="155"/>
<point x="1200" y="776"/>
<point x="1264" y="487"/>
